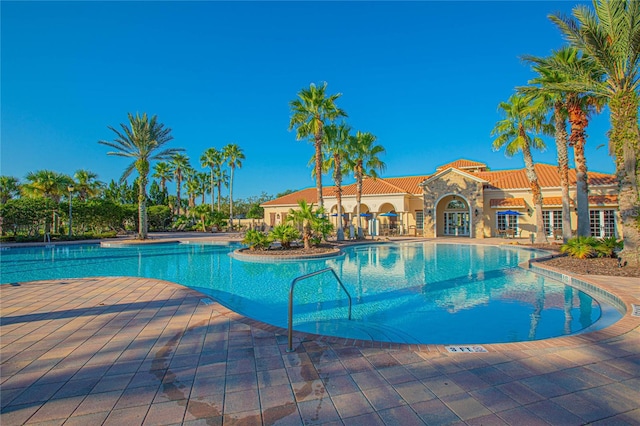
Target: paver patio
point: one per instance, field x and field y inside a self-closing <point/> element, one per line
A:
<point x="127" y="351"/>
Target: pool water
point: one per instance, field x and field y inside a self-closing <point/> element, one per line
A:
<point x="427" y="293"/>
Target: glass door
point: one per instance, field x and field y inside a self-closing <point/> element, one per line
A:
<point x="456" y="223"/>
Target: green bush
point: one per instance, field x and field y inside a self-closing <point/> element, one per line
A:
<point x="256" y="240"/>
<point x="285" y="234"/>
<point x="587" y="247"/>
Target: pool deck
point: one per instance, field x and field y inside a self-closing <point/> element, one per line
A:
<point x="128" y="351"/>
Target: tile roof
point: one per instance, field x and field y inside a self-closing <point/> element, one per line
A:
<point x="547" y="177"/>
<point x="499" y="179"/>
<point x="463" y="164"/>
<point x="603" y="200"/>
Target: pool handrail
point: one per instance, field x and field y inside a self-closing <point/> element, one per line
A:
<point x="293" y="284"/>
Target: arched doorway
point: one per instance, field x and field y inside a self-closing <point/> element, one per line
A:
<point x="456" y="218"/>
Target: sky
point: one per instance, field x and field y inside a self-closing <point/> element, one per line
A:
<point x="424" y="77"/>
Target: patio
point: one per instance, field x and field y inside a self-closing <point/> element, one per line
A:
<point x="142" y="351"/>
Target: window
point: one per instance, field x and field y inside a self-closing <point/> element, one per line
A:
<point x="456" y="205"/>
<point x="419" y="219"/>
<point x="552" y="220"/>
<point x="507" y="222"/>
<point x="603" y="223"/>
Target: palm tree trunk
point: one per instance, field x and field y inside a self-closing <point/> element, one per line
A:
<point x="532" y="176"/>
<point x="625" y="144"/>
<point x="358" y="199"/>
<point x="142" y="207"/>
<point x="231" y="198"/>
<point x="212" y="190"/>
<point x="338" y="180"/>
<point x="178" y="185"/>
<point x="318" y="146"/>
<point x="578" y="120"/>
<point x="563" y="170"/>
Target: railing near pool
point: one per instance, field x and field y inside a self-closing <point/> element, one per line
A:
<point x="293" y="284"/>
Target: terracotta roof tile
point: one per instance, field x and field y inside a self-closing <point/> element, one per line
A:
<point x="547" y="177"/>
<point x="603" y="200"/>
<point x="463" y="164"/>
<point x="310" y="195"/>
<point x="504" y="203"/>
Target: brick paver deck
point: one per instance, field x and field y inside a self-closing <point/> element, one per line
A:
<point x="127" y="351"/>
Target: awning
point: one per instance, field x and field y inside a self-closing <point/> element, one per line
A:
<point x="509" y="213"/>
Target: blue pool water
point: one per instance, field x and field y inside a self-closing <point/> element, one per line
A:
<point x="405" y="293"/>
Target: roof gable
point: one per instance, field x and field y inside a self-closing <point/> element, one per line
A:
<point x="442" y="173"/>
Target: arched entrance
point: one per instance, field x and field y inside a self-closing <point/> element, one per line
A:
<point x="456" y="220"/>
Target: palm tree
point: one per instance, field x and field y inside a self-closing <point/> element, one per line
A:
<point x="221" y="178"/>
<point x="213" y="159"/>
<point x="9" y="188"/>
<point x="363" y="161"/>
<point x="610" y="36"/>
<point x="179" y="164"/>
<point x="204" y="187"/>
<point x="87" y="184"/>
<point x="234" y="156"/>
<point x="162" y="170"/>
<point x="523" y="116"/>
<point x="47" y="184"/>
<point x="304" y="215"/>
<point x="141" y="140"/>
<point x="192" y="185"/>
<point x="310" y="113"/>
<point x="336" y="141"/>
<point x="556" y="100"/>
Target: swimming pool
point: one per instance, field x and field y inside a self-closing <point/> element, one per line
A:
<point x="404" y="293"/>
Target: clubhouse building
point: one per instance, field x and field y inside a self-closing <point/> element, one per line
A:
<point x="464" y="199"/>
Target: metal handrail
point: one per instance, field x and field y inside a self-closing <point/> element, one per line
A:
<point x="293" y="284"/>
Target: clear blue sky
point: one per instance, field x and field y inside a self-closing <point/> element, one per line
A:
<point x="424" y="77"/>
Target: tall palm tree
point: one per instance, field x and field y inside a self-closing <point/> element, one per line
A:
<point x="221" y="178"/>
<point x="523" y="118"/>
<point x="179" y="164"/>
<point x="192" y="184"/>
<point x="204" y="187"/>
<point x="555" y="100"/>
<point x="579" y="106"/>
<point x="9" y="188"/>
<point x="363" y="160"/>
<point x="309" y="114"/>
<point x="337" y="142"/>
<point x="162" y="171"/>
<point x="142" y="140"/>
<point x="234" y="156"/>
<point x="87" y="184"/>
<point x="610" y="36"/>
<point x="213" y="159"/>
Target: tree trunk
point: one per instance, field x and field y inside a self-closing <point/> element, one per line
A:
<point x="532" y="176"/>
<point x="231" y="199"/>
<point x="563" y="170"/>
<point x="625" y="144"/>
<point x="178" y="185"/>
<point x="318" y="146"/>
<point x="212" y="190"/>
<point x="358" y="199"/>
<point x="338" y="180"/>
<point x="142" y="207"/>
<point x="578" y="120"/>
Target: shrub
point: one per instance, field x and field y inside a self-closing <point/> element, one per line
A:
<point x="256" y="240"/>
<point x="608" y="247"/>
<point x="580" y="247"/>
<point x="285" y="234"/>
